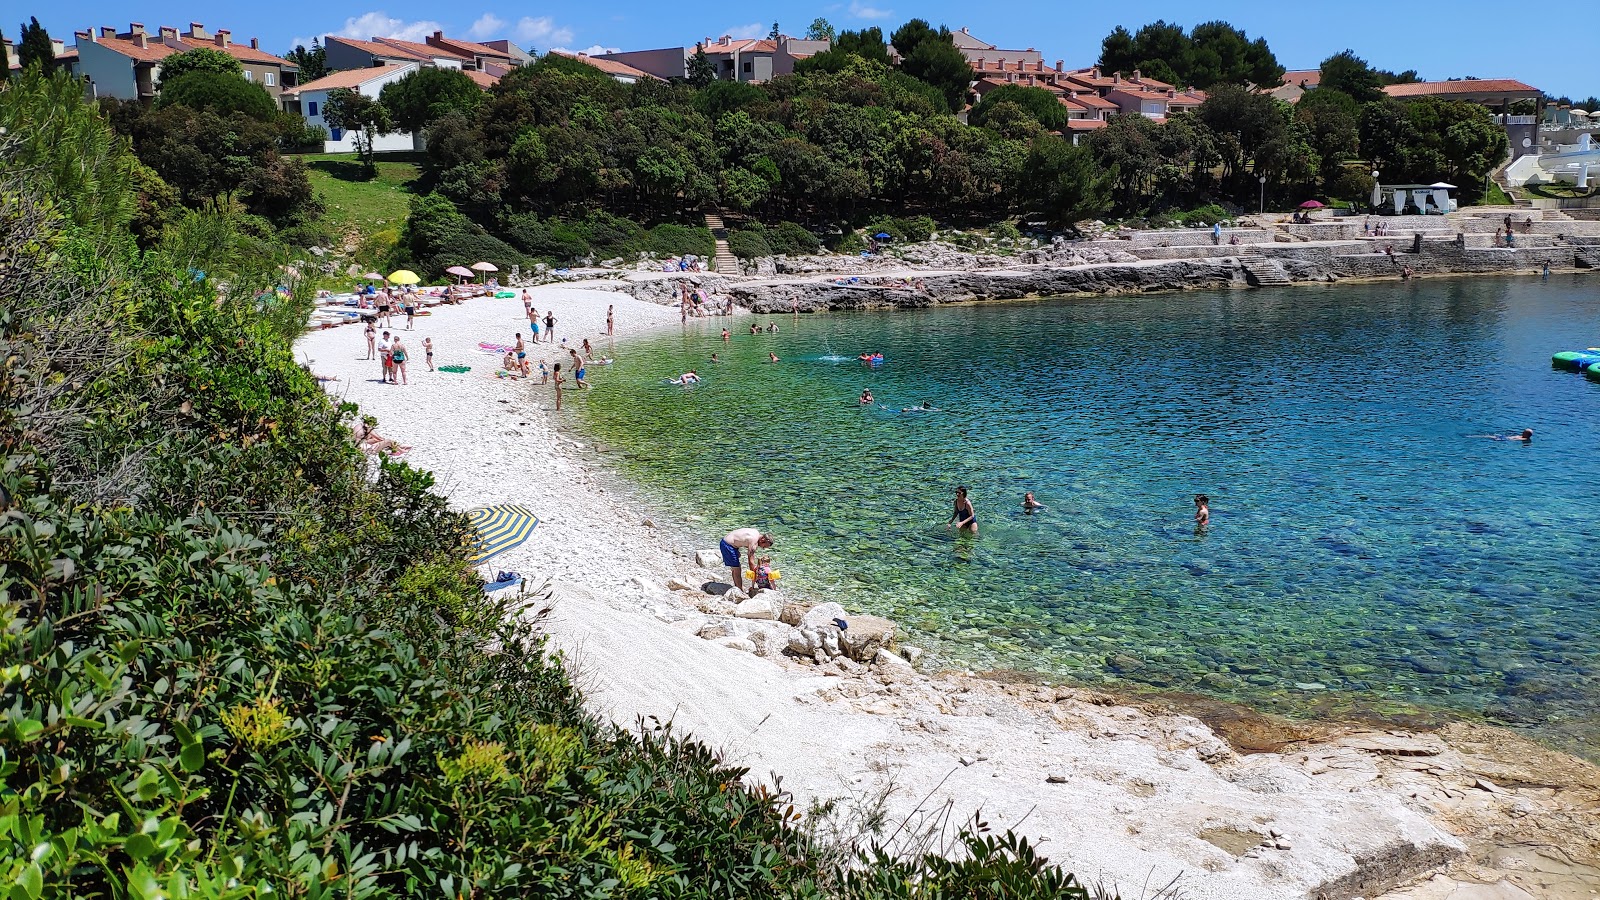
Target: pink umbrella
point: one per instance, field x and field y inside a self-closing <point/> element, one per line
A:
<point x="1311" y="204"/>
<point x="463" y="271"/>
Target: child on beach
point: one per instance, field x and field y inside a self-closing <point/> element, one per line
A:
<point x="558" y="379"/>
<point x="1202" y="511"/>
<point x="384" y="357"/>
<point x="427" y="349"/>
<point x="544" y="373"/>
<point x="763" y="574"/>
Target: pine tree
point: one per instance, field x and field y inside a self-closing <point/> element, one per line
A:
<point x="5" y="60"/>
<point x="35" y="49"/>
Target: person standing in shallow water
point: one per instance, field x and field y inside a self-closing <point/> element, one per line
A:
<point x="965" y="518"/>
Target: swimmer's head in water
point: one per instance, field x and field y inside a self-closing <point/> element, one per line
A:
<point x="1527" y="433"/>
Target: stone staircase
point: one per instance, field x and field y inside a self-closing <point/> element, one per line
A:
<point x="1261" y="271"/>
<point x="725" y="263"/>
<point x="1588" y="255"/>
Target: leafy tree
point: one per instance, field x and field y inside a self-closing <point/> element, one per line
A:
<point x="1039" y="104"/>
<point x="205" y="90"/>
<point x="354" y="111"/>
<point x="932" y="57"/>
<point x="1333" y="119"/>
<point x="866" y="43"/>
<point x="84" y="168"/>
<point x="699" y="71"/>
<point x="35" y="48"/>
<point x="1589" y="104"/>
<point x="1118" y="52"/>
<point x="279" y="190"/>
<point x="1064" y="181"/>
<point x="1346" y="72"/>
<point x="820" y="30"/>
<point x="5" y="61"/>
<point x="415" y="101"/>
<point x="313" y="63"/>
<point x="774" y="34"/>
<point x="1163" y="51"/>
<point x="1222" y="53"/>
<point x="200" y="59"/>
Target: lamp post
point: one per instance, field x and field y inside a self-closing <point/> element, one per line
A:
<point x="1263" y="209"/>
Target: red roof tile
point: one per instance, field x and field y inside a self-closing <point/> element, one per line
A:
<point x="349" y="78"/>
<point x="1303" y="77"/>
<point x="377" y="49"/>
<point x="423" y="50"/>
<point x="156" y="49"/>
<point x="1465" y="86"/>
<point x="482" y="79"/>
<point x="608" y="66"/>
<point x="470" y="48"/>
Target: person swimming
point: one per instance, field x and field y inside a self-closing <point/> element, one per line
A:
<point x="1525" y="436"/>
<point x="715" y="359"/>
<point x="772" y="357"/>
<point x="925" y="407"/>
<point x="866" y="397"/>
<point x="686" y="378"/>
<point x="1029" y="504"/>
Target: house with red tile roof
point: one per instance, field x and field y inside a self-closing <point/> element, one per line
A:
<point x="1493" y="92"/>
<point x="127" y="65"/>
<point x="354" y="53"/>
<point x="311" y="101"/>
<point x="620" y="71"/>
<point x="438" y="51"/>
<point x="974" y="48"/>
<point x="1295" y="84"/>
<point x="749" y="60"/>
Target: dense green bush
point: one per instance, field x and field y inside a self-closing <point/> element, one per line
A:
<point x="668" y="239"/>
<point x="792" y="239"/>
<point x="913" y="229"/>
<point x="240" y="661"/>
<point x="749" y="243"/>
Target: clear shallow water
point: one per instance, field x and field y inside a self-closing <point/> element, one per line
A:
<point x="1369" y="552"/>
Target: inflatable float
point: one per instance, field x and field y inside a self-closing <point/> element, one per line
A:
<point x="1575" y="360"/>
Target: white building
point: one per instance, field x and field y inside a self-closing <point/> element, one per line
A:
<point x="312" y="98"/>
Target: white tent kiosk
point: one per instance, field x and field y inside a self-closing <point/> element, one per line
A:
<point x="1424" y="199"/>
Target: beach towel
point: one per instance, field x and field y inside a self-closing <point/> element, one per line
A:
<point x="494" y="348"/>
<point x="457" y="370"/>
<point x="502" y="580"/>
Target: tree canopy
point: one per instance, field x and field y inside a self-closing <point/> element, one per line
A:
<point x="820" y="29"/>
<point x="200" y="59"/>
<point x="205" y="90"/>
<point x="1213" y="53"/>
<point x="35" y="49"/>
<point x="421" y="97"/>
<point x="313" y="63"/>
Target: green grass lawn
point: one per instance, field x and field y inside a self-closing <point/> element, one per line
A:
<point x="372" y="209"/>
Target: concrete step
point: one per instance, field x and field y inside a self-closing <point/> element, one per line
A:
<point x="726" y="263"/>
<point x="1588" y="256"/>
<point x="1263" y="272"/>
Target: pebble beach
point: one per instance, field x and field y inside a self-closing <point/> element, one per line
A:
<point x="1127" y="794"/>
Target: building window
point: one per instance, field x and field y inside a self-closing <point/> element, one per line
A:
<point x="747" y="66"/>
<point x="249" y="76"/>
<point x="312" y="109"/>
<point x="271" y="79"/>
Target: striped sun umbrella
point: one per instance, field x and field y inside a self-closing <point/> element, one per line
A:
<point x="499" y="529"/>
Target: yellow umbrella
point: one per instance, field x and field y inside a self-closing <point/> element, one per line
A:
<point x="499" y="529"/>
<point x="404" y="276"/>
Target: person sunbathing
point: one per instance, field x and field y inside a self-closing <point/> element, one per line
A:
<point x="371" y="441"/>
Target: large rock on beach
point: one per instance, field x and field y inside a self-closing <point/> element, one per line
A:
<point x="756" y="608"/>
<point x="708" y="559"/>
<point x="866" y="636"/>
<point x="821" y="615"/>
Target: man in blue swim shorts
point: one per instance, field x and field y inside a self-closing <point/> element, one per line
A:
<point x="748" y="539"/>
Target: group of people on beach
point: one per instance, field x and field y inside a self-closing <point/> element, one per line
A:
<point x="392" y="354"/>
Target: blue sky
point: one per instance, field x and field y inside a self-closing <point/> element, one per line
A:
<point x="1439" y="39"/>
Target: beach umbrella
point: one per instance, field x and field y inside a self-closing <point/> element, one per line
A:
<point x="883" y="236"/>
<point x="1311" y="204"/>
<point x="373" y="276"/>
<point x="460" y="271"/>
<point x="499" y="528"/>
<point x="404" y="276"/>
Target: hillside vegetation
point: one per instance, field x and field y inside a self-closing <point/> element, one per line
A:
<point x="239" y="659"/>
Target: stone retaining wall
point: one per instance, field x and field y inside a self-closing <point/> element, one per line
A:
<point x="1190" y="237"/>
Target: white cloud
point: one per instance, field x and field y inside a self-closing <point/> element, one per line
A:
<point x="592" y="50"/>
<point x="862" y="11"/>
<point x="541" y="30"/>
<point x="381" y="24"/>
<point x="487" y="26"/>
<point x="747" y="32"/>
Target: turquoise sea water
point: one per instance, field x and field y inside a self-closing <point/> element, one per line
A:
<point x="1370" y="550"/>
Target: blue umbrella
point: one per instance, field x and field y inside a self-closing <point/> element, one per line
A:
<point x="883" y="236"/>
<point x="499" y="528"/>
